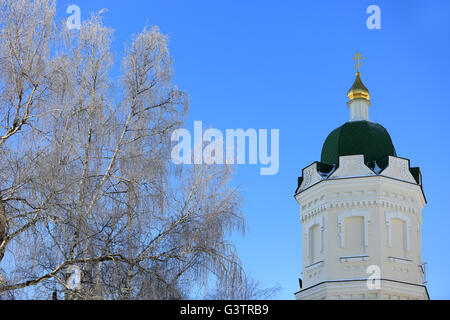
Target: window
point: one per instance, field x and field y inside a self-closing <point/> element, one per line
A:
<point x="398" y="225"/>
<point x="354" y="235"/>
<point x="314" y="239"/>
<point x="315" y="243"/>
<point x="398" y="237"/>
<point x="354" y="230"/>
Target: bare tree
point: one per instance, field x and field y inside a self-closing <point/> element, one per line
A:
<point x="85" y="173"/>
<point x="26" y="30"/>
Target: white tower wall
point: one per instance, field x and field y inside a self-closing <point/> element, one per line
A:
<point x="355" y="220"/>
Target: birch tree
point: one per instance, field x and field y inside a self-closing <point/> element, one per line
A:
<point x="86" y="181"/>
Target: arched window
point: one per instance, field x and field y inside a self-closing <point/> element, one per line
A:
<point x="314" y="243"/>
<point x="354" y="235"/>
<point x="398" y="234"/>
<point x="314" y="239"/>
<point x="398" y="225"/>
<point x="354" y="231"/>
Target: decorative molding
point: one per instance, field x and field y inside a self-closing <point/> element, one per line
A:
<point x="313" y="212"/>
<point x="399" y="260"/>
<point x="352" y="166"/>
<point x="315" y="265"/>
<point x="354" y="204"/>
<point x="353" y="213"/>
<point x="361" y="257"/>
<point x="398" y="168"/>
<point x="310" y="177"/>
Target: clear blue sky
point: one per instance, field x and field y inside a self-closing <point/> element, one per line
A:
<point x="287" y="65"/>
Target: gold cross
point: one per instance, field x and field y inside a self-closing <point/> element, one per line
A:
<point x="357" y="57"/>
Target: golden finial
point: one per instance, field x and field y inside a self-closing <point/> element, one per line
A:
<point x="357" y="57"/>
<point x="358" y="89"/>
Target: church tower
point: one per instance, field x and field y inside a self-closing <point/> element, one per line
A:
<point x="361" y="213"/>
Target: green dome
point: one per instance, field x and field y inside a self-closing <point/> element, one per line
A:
<point x="358" y="137"/>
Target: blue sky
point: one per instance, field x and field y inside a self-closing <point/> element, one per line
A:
<point x="287" y="65"/>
